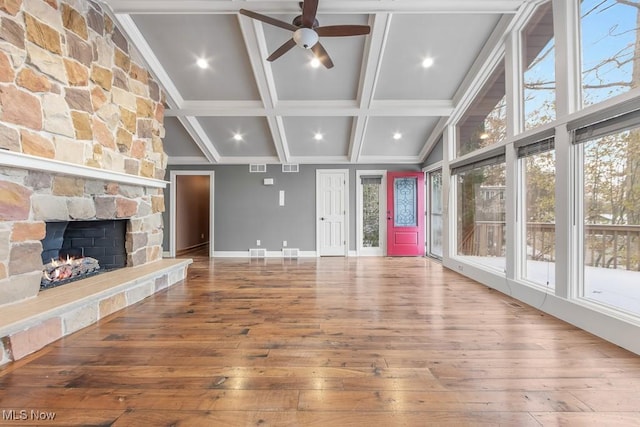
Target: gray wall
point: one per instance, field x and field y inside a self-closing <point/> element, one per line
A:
<point x="247" y="210"/>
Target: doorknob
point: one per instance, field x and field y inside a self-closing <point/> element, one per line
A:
<point x="389" y="218"/>
<point x="321" y="218"/>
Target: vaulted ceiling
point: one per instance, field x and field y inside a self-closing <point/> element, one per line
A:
<point x="377" y="88"/>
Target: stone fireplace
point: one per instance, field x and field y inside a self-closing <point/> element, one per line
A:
<point x="81" y="127"/>
<point x="72" y="250"/>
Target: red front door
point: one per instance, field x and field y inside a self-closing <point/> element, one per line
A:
<point x="405" y="213"/>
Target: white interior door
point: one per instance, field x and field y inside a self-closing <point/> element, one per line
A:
<point x="332" y="212"/>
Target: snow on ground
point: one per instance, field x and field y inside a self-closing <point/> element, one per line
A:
<point x="617" y="288"/>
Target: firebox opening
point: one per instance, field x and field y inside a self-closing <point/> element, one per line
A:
<point x="87" y="248"/>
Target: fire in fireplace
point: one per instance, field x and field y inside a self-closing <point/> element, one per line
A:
<point x="73" y="250"/>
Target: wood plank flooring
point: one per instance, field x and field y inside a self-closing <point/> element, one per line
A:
<point x="325" y="342"/>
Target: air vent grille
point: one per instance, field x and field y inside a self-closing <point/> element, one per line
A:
<point x="257" y="168"/>
<point x="257" y="253"/>
<point x="290" y="168"/>
<point x="290" y="252"/>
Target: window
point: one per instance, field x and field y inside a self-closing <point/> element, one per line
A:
<point x="371" y="222"/>
<point x="537" y="165"/>
<point x="484" y="123"/>
<point x="435" y="213"/>
<point x="371" y="211"/>
<point x="539" y="64"/>
<point x="609" y="34"/>
<point x="481" y="222"/>
<point x="611" y="212"/>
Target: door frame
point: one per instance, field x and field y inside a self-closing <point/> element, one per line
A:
<point x="427" y="208"/>
<point x="382" y="250"/>
<point x="420" y="210"/>
<point x="172" y="206"/>
<point x="345" y="173"/>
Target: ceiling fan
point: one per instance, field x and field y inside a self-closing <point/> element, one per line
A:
<point x="306" y="31"/>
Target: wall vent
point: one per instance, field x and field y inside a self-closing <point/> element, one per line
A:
<point x="290" y="168"/>
<point x="257" y="168"/>
<point x="257" y="253"/>
<point x="290" y="252"/>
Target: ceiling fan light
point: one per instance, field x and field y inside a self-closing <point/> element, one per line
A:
<point x="306" y="38"/>
<point x="315" y="63"/>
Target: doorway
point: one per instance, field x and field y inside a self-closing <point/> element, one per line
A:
<point x="332" y="212"/>
<point x="191" y="210"/>
<point x="405" y="214"/>
<point x="372" y="209"/>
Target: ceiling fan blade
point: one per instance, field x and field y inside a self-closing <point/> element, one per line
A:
<point x="282" y="50"/>
<point x="309" y="9"/>
<point x="343" y="30"/>
<point x="268" y="20"/>
<point x="322" y="55"/>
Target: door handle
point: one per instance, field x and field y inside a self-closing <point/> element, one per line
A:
<point x="389" y="218"/>
<point x="322" y="218"/>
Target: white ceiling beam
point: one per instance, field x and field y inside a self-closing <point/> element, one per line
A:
<point x="431" y="108"/>
<point x="200" y="137"/>
<point x="131" y="29"/>
<point x="326" y="6"/>
<point x="174" y="98"/>
<point x="256" y="45"/>
<point x="279" y="135"/>
<point x="369" y="74"/>
<point x="357" y="138"/>
<point x="433" y="139"/>
<point x="389" y="159"/>
<point x="244" y="160"/>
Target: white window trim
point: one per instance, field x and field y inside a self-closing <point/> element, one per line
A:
<point x="382" y="250"/>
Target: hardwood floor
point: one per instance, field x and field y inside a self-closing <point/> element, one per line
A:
<point x="326" y="342"/>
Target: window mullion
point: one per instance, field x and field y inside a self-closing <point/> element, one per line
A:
<point x="568" y="63"/>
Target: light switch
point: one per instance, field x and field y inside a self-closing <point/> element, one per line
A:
<point x="281" y="198"/>
<point x="268" y="181"/>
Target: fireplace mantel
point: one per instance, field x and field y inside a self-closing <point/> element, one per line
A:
<point x="24" y="161"/>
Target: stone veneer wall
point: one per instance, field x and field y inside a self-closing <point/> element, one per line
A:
<point x="71" y="91"/>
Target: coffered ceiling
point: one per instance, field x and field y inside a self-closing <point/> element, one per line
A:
<point x="242" y="109"/>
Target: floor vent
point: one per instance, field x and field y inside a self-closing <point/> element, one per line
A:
<point x="290" y="252"/>
<point x="257" y="168"/>
<point x="257" y="253"/>
<point x="290" y="168"/>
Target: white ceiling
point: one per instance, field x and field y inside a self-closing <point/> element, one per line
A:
<point x="377" y="87"/>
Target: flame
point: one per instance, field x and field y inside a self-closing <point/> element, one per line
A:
<point x="61" y="270"/>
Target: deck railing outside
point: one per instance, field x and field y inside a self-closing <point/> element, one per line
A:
<point x="605" y="245"/>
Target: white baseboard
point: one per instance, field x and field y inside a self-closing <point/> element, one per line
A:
<point x="270" y="254"/>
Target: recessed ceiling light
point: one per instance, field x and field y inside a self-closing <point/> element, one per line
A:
<point x="397" y="136"/>
<point x="318" y="136"/>
<point x="315" y="62"/>
<point x="427" y="62"/>
<point x="237" y="137"/>
<point x="202" y="63"/>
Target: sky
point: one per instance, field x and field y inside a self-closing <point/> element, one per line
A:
<point x="607" y="27"/>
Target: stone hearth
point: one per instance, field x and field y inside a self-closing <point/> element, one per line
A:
<point x="81" y="123"/>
